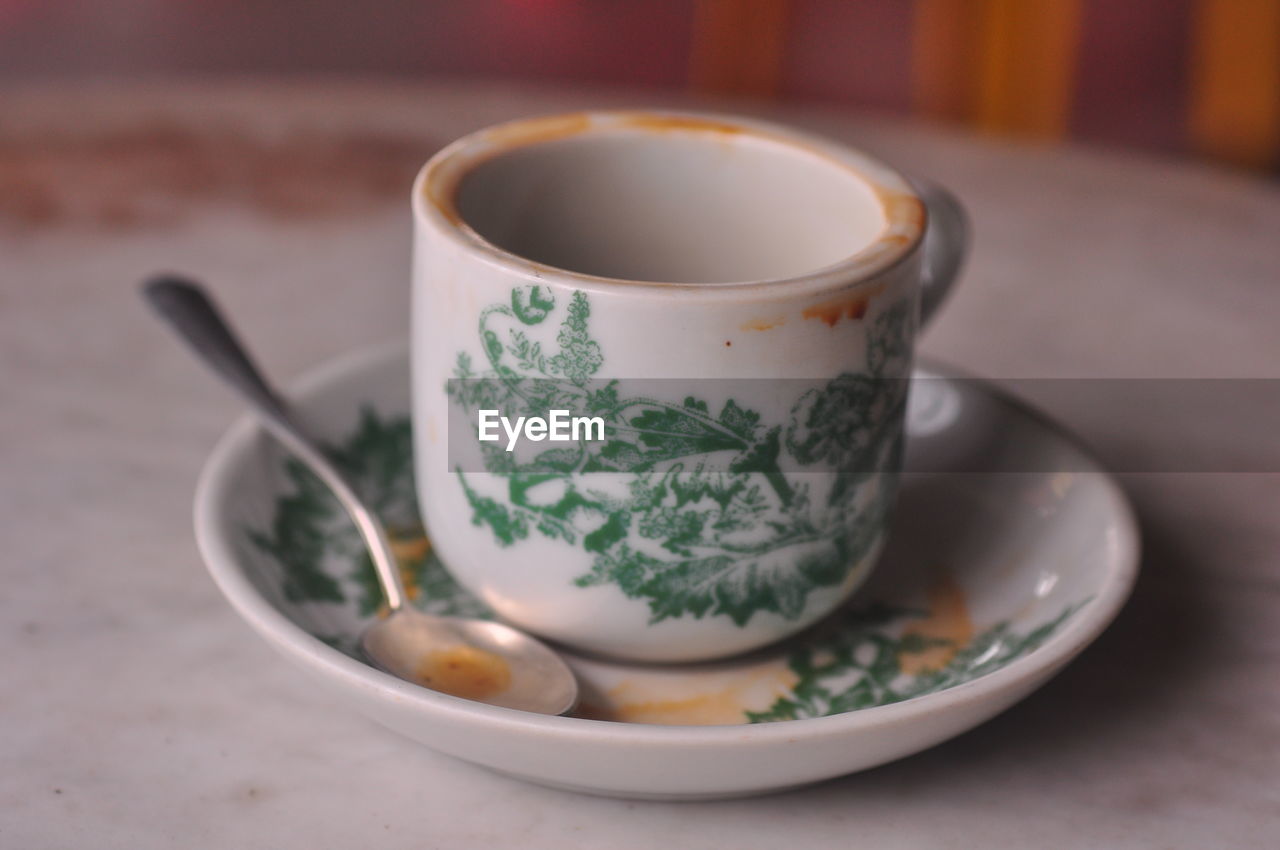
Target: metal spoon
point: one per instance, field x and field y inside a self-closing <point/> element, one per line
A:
<point x="474" y="659"/>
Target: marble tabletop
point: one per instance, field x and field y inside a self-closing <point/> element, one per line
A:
<point x="137" y="711"/>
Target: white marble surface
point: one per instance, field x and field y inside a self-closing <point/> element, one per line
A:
<point x="138" y="712"/>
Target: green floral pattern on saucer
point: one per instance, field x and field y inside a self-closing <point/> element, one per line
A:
<point x="863" y="656"/>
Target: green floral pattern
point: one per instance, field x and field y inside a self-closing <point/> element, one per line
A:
<point x="858" y="663"/>
<point x="321" y="554"/>
<point x="853" y="660"/>
<point x="688" y="540"/>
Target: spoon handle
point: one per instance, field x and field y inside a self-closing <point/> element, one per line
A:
<point x="198" y="323"/>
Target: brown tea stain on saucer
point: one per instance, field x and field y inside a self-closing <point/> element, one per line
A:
<point x="654" y="701"/>
<point x="852" y="307"/>
<point x="948" y="623"/>
<point x="764" y="324"/>
<point x="409" y="550"/>
<point x="465" y="671"/>
<point x="712" y="709"/>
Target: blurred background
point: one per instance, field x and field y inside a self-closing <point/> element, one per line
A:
<point x="1188" y="77"/>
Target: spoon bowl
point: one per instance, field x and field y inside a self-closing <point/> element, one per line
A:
<point x="473" y="659"/>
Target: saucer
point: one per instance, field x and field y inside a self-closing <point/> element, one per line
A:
<point x="992" y="581"/>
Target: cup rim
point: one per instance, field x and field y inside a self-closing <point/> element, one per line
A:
<point x="435" y="189"/>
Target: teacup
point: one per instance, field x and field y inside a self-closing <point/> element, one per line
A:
<point x="731" y="306"/>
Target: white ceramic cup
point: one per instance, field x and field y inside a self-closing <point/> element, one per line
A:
<point x="726" y="256"/>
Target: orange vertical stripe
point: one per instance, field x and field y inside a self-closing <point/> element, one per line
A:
<point x="1005" y="66"/>
<point x="1235" y="81"/>
<point x="943" y="58"/>
<point x="739" y="46"/>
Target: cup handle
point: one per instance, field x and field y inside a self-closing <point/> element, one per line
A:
<point x="946" y="246"/>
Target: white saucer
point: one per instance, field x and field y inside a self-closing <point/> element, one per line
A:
<point x="991" y="583"/>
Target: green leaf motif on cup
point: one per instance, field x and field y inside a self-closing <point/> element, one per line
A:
<point x="685" y="539"/>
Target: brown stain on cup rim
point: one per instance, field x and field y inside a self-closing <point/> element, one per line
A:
<point x="764" y="324"/>
<point x="501" y="139"/>
<point x="534" y="131"/>
<point x="851" y="306"/>
<point x="904" y="213"/>
<point x="906" y="210"/>
<point x="552" y="128"/>
<point x="660" y="123"/>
